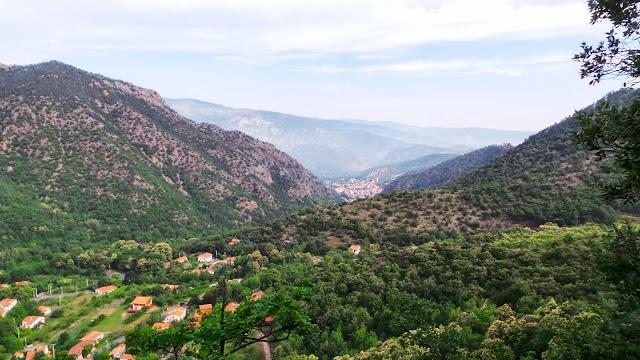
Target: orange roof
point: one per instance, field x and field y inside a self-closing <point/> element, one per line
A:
<point x="127" y="357"/>
<point x="93" y="336"/>
<point x="5" y="303"/>
<point x="257" y="295"/>
<point x="182" y="259"/>
<point x="205" y="254"/>
<point x="268" y="319"/>
<point x="44" y="309"/>
<point x="118" y="350"/>
<point x="142" y="301"/>
<point x="106" y="289"/>
<point x="18" y="354"/>
<point x="233" y="242"/>
<point x="176" y="311"/>
<point x="22" y="283"/>
<point x="205" y="308"/>
<point x="231" y="307"/>
<point x="170" y="287"/>
<point x="30" y="355"/>
<point x="76" y="350"/>
<point x="161" y="326"/>
<point x="30" y="320"/>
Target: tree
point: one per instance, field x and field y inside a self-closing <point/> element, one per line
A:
<point x="271" y="319"/>
<point x="614" y="133"/>
<point x="616" y="55"/>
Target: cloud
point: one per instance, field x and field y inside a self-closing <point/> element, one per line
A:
<point x="246" y="29"/>
<point x="510" y="67"/>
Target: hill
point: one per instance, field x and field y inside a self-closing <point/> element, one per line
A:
<point x="447" y="171"/>
<point x="548" y="178"/>
<point x="385" y="173"/>
<point x="343" y="148"/>
<point x="83" y="156"/>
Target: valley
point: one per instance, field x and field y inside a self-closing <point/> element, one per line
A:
<point x="139" y="223"/>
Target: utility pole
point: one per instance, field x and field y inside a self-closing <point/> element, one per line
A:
<point x="53" y="351"/>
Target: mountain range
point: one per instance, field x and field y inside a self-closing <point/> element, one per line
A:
<point x="344" y="148"/>
<point x="444" y="172"/>
<point x="87" y="157"/>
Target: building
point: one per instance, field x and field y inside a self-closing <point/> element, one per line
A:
<point x="231" y="307"/>
<point x="205" y="257"/>
<point x="355" y="248"/>
<point x="171" y="287"/>
<point x="257" y="295"/>
<point x="229" y="261"/>
<point x="44" y="310"/>
<point x="161" y="326"/>
<point x="32" y="322"/>
<point x="33" y="349"/>
<point x="118" y="351"/>
<point x="76" y="350"/>
<point x="22" y="283"/>
<point x="105" y="290"/>
<point x="176" y="313"/>
<point x="93" y="337"/>
<point x="233" y="242"/>
<point x="6" y="305"/>
<point x="205" y="308"/>
<point x="182" y="260"/>
<point x="141" y="302"/>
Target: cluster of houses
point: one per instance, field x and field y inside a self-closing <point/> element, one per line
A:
<point x="209" y="260"/>
<point x="7" y="305"/>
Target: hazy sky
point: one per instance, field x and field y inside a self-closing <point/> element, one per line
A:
<point x="491" y="63"/>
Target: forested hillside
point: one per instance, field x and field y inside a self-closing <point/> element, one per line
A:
<point x="447" y="171"/>
<point x="383" y="174"/>
<point x="86" y="157"/>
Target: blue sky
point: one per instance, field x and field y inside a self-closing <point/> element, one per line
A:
<point x="491" y="63"/>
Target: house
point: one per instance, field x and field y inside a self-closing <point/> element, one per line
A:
<point x="205" y="308"/>
<point x="205" y="257"/>
<point x="176" y="313"/>
<point x="33" y="349"/>
<point x="229" y="261"/>
<point x="6" y="305"/>
<point x="32" y="321"/>
<point x="171" y="287"/>
<point x="182" y="260"/>
<point x="4" y="286"/>
<point x="118" y="351"/>
<point x="355" y="248"/>
<point x="22" y="283"/>
<point x="257" y="295"/>
<point x="18" y="355"/>
<point x="231" y="307"/>
<point x="233" y="242"/>
<point x="161" y="326"/>
<point x="127" y="357"/>
<point x="44" y="310"/>
<point x="105" y="290"/>
<point x="76" y="350"/>
<point x="141" y="302"/>
<point x="93" y="337"/>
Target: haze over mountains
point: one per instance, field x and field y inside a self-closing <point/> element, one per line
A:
<point x="344" y="148"/>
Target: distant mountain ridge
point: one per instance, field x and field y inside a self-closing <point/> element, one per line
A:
<point x="385" y="173"/>
<point x="105" y="159"/>
<point x="449" y="170"/>
<point x="336" y="148"/>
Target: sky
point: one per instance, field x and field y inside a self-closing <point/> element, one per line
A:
<point x="490" y="63"/>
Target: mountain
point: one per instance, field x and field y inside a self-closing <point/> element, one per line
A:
<point x="351" y="146"/>
<point x="548" y="178"/>
<point x="85" y="156"/>
<point x="383" y="174"/>
<point x="447" y="171"/>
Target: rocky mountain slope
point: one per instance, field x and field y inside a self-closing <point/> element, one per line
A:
<point x="447" y="171"/>
<point x="343" y="148"/>
<point x="548" y="178"/>
<point x="103" y="158"/>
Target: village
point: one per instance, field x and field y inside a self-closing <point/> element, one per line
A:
<point x="99" y="317"/>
